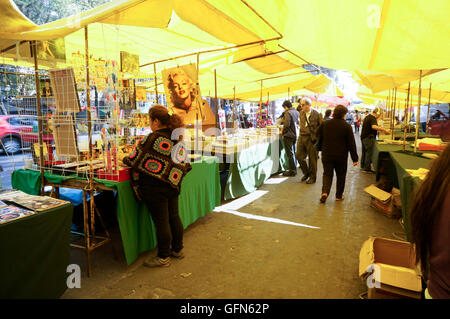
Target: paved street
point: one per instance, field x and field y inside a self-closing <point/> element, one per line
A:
<point x="9" y="163"/>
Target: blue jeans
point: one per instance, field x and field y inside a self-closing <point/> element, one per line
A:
<point x="367" y="150"/>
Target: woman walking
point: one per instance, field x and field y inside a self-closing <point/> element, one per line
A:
<point x="158" y="165"/>
<point x="335" y="141"/>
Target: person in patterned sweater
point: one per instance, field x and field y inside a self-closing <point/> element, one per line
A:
<point x="158" y="166"/>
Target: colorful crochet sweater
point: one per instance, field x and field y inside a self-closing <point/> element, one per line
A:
<point x="152" y="156"/>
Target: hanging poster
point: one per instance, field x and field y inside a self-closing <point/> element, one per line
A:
<point x="52" y="49"/>
<point x="129" y="63"/>
<point x="127" y="99"/>
<point x="184" y="97"/>
<point x="141" y="93"/>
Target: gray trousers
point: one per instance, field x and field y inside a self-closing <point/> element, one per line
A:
<point x="305" y="148"/>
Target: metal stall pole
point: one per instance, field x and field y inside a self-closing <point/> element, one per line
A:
<point x="260" y="104"/>
<point x="428" y="112"/>
<point x="91" y="177"/>
<point x="406" y="117"/>
<point x="156" y="83"/>
<point x="393" y="114"/>
<point x="39" y="115"/>
<point x="215" y="98"/>
<point x="418" y="113"/>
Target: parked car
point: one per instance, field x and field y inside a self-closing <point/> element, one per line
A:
<point x="440" y="125"/>
<point x="18" y="131"/>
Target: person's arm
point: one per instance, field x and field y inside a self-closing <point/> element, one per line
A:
<point x="131" y="159"/>
<point x="376" y="127"/>
<point x="286" y="119"/>
<point x="352" y="145"/>
<point x="319" y="138"/>
<point x="380" y="129"/>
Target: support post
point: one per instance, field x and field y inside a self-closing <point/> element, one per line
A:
<point x="215" y="97"/>
<point x="418" y="113"/>
<point x="428" y="112"/>
<point x="393" y="114"/>
<point x="39" y="116"/>
<point x="406" y="117"/>
<point x="260" y="104"/>
<point x="156" y="83"/>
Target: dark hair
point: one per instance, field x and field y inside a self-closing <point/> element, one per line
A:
<point x="161" y="113"/>
<point x="339" y="112"/>
<point x="427" y="204"/>
<point x="328" y="112"/>
<point x="287" y="104"/>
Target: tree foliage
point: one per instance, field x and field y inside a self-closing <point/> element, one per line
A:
<point x="45" y="11"/>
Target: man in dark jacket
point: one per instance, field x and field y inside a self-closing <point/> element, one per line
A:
<point x="290" y="125"/>
<point x="310" y="121"/>
<point x="369" y="132"/>
<point x="335" y="141"/>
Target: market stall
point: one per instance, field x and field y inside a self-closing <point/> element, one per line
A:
<point x="253" y="166"/>
<point x="35" y="254"/>
<point x="200" y="195"/>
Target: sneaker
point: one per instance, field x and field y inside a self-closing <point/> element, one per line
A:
<point x="323" y="198"/>
<point x="178" y="255"/>
<point x="310" y="181"/>
<point x="339" y="198"/>
<point x="157" y="262"/>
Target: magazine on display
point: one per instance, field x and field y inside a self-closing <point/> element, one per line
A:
<point x="36" y="203"/>
<point x="9" y="213"/>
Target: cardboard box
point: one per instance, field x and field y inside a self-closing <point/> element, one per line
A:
<point x="384" y="202"/>
<point x="388" y="268"/>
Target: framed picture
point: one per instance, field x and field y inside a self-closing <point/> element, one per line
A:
<point x="127" y="95"/>
<point x="52" y="49"/>
<point x="141" y="93"/>
<point x="129" y="63"/>
<point x="183" y="95"/>
<point x="46" y="88"/>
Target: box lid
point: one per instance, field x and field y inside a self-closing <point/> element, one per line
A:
<point x="390" y="262"/>
<point x="379" y="194"/>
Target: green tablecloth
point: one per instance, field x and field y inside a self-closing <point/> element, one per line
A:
<point x="253" y="166"/>
<point x="35" y="253"/>
<point x="200" y="195"/>
<point x="381" y="151"/>
<point x="407" y="183"/>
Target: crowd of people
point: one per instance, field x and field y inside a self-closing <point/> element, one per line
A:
<point x="333" y="136"/>
<point x="306" y="133"/>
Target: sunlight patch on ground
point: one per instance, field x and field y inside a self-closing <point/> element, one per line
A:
<point x="276" y="180"/>
<point x="263" y="218"/>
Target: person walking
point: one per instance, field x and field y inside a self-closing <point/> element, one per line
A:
<point x="310" y="121"/>
<point x="335" y="141"/>
<point x="289" y="134"/>
<point x="368" y="136"/>
<point x="158" y="166"/>
<point x="357" y="121"/>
